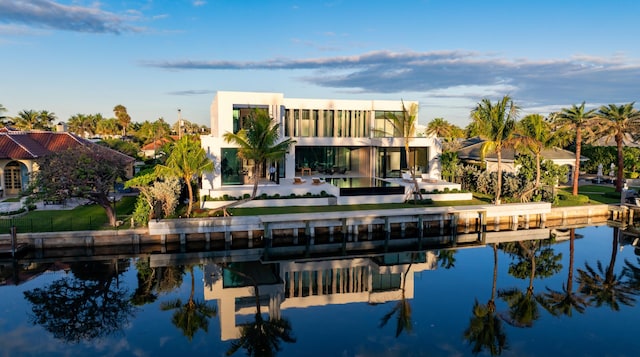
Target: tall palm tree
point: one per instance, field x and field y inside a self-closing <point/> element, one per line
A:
<point x="534" y="135"/>
<point x="107" y="127"/>
<point x="259" y="141"/>
<point x="188" y="161"/>
<point x="124" y="119"/>
<point x="192" y="315"/>
<point x="616" y="122"/>
<point x="496" y="124"/>
<point x="405" y="124"/>
<point x="576" y="120"/>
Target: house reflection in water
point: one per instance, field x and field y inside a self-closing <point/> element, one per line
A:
<point x="299" y="284"/>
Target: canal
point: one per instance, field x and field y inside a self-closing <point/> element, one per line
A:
<point x="509" y="297"/>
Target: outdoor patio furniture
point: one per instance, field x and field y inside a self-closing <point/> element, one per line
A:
<point x="298" y="180"/>
<point x="317" y="181"/>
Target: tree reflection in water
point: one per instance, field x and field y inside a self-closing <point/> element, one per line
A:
<point x="563" y="302"/>
<point x="261" y="337"/>
<point x="485" y="329"/>
<point x="533" y="258"/>
<point x="191" y="316"/>
<point x="604" y="287"/>
<point x="87" y="306"/>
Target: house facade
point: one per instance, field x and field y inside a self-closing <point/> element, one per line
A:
<point x="333" y="137"/>
<point x="19" y="151"/>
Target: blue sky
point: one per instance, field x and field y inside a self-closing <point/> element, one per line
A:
<point x="153" y="57"/>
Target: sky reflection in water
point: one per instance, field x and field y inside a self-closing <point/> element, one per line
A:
<point x="109" y="309"/>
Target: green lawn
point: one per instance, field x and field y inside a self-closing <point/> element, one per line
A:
<point x="89" y="217"/>
<point x="597" y="194"/>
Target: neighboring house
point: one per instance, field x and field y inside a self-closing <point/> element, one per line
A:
<point x="19" y="151"/>
<point x="349" y="137"/>
<point x="154" y="148"/>
<point x="470" y="152"/>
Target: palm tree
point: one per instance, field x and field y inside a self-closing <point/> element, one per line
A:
<point x="26" y="119"/>
<point x="45" y="120"/>
<point x="496" y="124"/>
<point x="443" y="129"/>
<point x="192" y="315"/>
<point x="535" y="134"/>
<point x="575" y="120"/>
<point x="616" y="122"/>
<point x="259" y="142"/>
<point x="83" y="125"/>
<point x="405" y="124"/>
<point x="2" y="116"/>
<point x="124" y="119"/>
<point x="188" y="161"/>
<point x="107" y="127"/>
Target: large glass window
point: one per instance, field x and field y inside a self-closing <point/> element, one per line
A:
<point x="323" y="159"/>
<point x="242" y="112"/>
<point x="391" y="161"/>
<point x="231" y="167"/>
<point x="383" y="126"/>
<point x="326" y="123"/>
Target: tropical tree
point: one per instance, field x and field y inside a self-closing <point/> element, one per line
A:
<point x="83" y="125"/>
<point x="575" y="120"/>
<point x="405" y="124"/>
<point x="191" y="316"/>
<point x="45" y="120"/>
<point x="123" y="117"/>
<point x="26" y="119"/>
<point x="83" y="172"/>
<point x="259" y="141"/>
<point x="534" y="135"/>
<point x="188" y="161"/>
<point x="616" y="122"/>
<point x="496" y="124"/>
<point x="3" y="118"/>
<point x="443" y="129"/>
<point x="107" y="127"/>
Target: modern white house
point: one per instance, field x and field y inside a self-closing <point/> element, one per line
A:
<point x="352" y="138"/>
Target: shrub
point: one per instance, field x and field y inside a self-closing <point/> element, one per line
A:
<point x="246" y="196"/>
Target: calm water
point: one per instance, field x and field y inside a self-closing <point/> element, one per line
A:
<point x="436" y="303"/>
<point x="354" y="182"/>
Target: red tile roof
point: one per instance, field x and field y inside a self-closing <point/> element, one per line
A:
<point x="30" y="145"/>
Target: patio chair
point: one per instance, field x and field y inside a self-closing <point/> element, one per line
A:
<point x="317" y="181"/>
<point x="298" y="180"/>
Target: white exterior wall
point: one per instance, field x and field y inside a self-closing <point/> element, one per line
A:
<point x="222" y="114"/>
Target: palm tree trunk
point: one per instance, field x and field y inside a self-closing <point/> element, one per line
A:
<point x="499" y="185"/>
<point x="537" y="169"/>
<point x="256" y="179"/>
<point x="190" y="205"/>
<point x="576" y="167"/>
<point x="620" y="173"/>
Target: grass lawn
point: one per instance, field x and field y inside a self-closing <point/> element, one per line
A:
<point x="598" y="194"/>
<point x="89" y="217"/>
